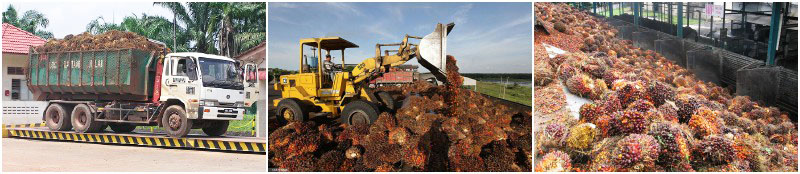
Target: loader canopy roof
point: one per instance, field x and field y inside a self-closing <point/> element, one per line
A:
<point x="329" y="43"/>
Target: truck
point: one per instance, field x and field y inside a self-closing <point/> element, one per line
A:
<point x="397" y="76"/>
<point x="124" y="88"/>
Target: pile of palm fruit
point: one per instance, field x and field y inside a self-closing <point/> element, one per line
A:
<point x="647" y="113"/>
<point x="86" y="41"/>
<point x="439" y="128"/>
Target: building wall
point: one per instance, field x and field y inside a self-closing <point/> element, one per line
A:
<point x="15" y="60"/>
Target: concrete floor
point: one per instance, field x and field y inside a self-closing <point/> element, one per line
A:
<point x="25" y="155"/>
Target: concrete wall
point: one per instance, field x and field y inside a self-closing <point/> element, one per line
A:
<point x="15" y="60"/>
<point x="23" y="112"/>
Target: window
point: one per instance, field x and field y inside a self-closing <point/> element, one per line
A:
<point x="180" y="68"/>
<point x="15" y="86"/>
<point x="16" y="71"/>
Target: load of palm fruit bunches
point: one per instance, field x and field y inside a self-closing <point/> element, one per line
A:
<point x="439" y="128"/>
<point x="113" y="39"/>
<point x="648" y="113"/>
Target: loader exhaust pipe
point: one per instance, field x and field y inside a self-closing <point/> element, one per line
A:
<point x="432" y="51"/>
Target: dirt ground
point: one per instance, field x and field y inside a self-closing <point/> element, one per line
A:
<point x="24" y="155"/>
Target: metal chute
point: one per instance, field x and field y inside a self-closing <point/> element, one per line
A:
<point x="433" y="51"/>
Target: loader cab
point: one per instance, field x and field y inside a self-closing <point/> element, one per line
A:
<point x="312" y="60"/>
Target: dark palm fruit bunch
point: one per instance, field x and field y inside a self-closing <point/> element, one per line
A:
<point x="544" y="74"/>
<point x="641" y="105"/>
<point x="674" y="146"/>
<point x="555" y="161"/>
<point x="555" y="134"/>
<point x="740" y="104"/>
<point x="714" y="150"/>
<point x="608" y="124"/>
<point x="632" y="122"/>
<point x="659" y="92"/>
<point x="629" y="93"/>
<point x="669" y="112"/>
<point x="636" y="151"/>
<point x="565" y="71"/>
<point x="560" y="26"/>
<point x="589" y="112"/>
<point x="686" y="106"/>
<point x="611" y="75"/>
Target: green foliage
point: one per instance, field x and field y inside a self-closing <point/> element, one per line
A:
<point x="519" y="94"/>
<point x="32" y="21"/>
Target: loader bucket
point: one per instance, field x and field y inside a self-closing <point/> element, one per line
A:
<point x="433" y="51"/>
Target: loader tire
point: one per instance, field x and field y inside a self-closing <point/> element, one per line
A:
<point x="83" y="119"/>
<point x="175" y="121"/>
<point x="387" y="101"/>
<point x="122" y="127"/>
<point x="57" y="118"/>
<point x="291" y="109"/>
<point x="216" y="127"/>
<point x="359" y="112"/>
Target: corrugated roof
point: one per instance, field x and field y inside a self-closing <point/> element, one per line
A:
<point x="19" y="41"/>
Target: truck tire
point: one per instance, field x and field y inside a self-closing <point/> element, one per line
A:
<point x="359" y="112"/>
<point x="57" y="118"/>
<point x="387" y="100"/>
<point x="175" y="121"/>
<point x="83" y="119"/>
<point x="216" y="127"/>
<point x="291" y="109"/>
<point x="122" y="127"/>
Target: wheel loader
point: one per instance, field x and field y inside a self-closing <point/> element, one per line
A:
<point x="347" y="95"/>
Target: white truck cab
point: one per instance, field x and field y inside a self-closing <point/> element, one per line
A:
<point x="210" y="87"/>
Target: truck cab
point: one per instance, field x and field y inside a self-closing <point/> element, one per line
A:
<point x="209" y="88"/>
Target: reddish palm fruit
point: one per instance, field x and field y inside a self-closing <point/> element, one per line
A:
<point x="629" y="92"/>
<point x="636" y="151"/>
<point x="640" y="105"/>
<point x="555" y="134"/>
<point x="632" y="122"/>
<point x="544" y="74"/>
<point x="713" y="150"/>
<point x="566" y="71"/>
<point x="608" y="124"/>
<point x="555" y="161"/>
<point x="330" y="161"/>
<point x="658" y="93"/>
<point x="686" y="107"/>
<point x="705" y="122"/>
<point x="675" y="148"/>
<point x="498" y="157"/>
<point x="589" y="112"/>
<point x="580" y="85"/>
<point x="611" y="75"/>
<point x="668" y="112"/>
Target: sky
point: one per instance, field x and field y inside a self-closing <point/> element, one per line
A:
<point x="487" y="37"/>
<point x="72" y="17"/>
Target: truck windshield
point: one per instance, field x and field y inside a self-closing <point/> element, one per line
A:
<point x="220" y="74"/>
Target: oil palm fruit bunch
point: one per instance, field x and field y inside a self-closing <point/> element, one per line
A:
<point x="713" y="150"/>
<point x="705" y="122"/>
<point x="632" y="122"/>
<point x="658" y="93"/>
<point x="675" y="148"/>
<point x="636" y="152"/>
<point x="555" y="161"/>
<point x="581" y="136"/>
<point x="686" y="104"/>
<point x="589" y="112"/>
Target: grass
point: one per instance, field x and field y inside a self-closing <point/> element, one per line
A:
<point x="516" y="93"/>
<point x="243" y="125"/>
<point x="648" y="13"/>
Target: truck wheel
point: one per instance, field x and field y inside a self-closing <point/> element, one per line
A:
<point x="175" y="121"/>
<point x="291" y="109"/>
<point x="359" y="112"/>
<point x="57" y="118"/>
<point x="387" y="100"/>
<point x="122" y="127"/>
<point x="83" y="119"/>
<point x="216" y="127"/>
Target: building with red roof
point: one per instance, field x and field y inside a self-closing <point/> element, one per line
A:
<point x="16" y="46"/>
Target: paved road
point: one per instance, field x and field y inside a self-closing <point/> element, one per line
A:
<point x="24" y="155"/>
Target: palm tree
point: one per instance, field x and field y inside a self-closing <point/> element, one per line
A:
<point x="30" y="21"/>
<point x="201" y="20"/>
<point x="243" y="26"/>
<point x="153" y="27"/>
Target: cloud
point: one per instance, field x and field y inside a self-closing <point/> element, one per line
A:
<point x="282" y="5"/>
<point x="460" y="16"/>
<point x="346" y="7"/>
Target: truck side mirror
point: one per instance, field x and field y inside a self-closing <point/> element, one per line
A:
<point x="191" y="69"/>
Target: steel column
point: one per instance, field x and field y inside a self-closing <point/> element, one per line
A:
<point x="774" y="26"/>
<point x="680" y="20"/>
